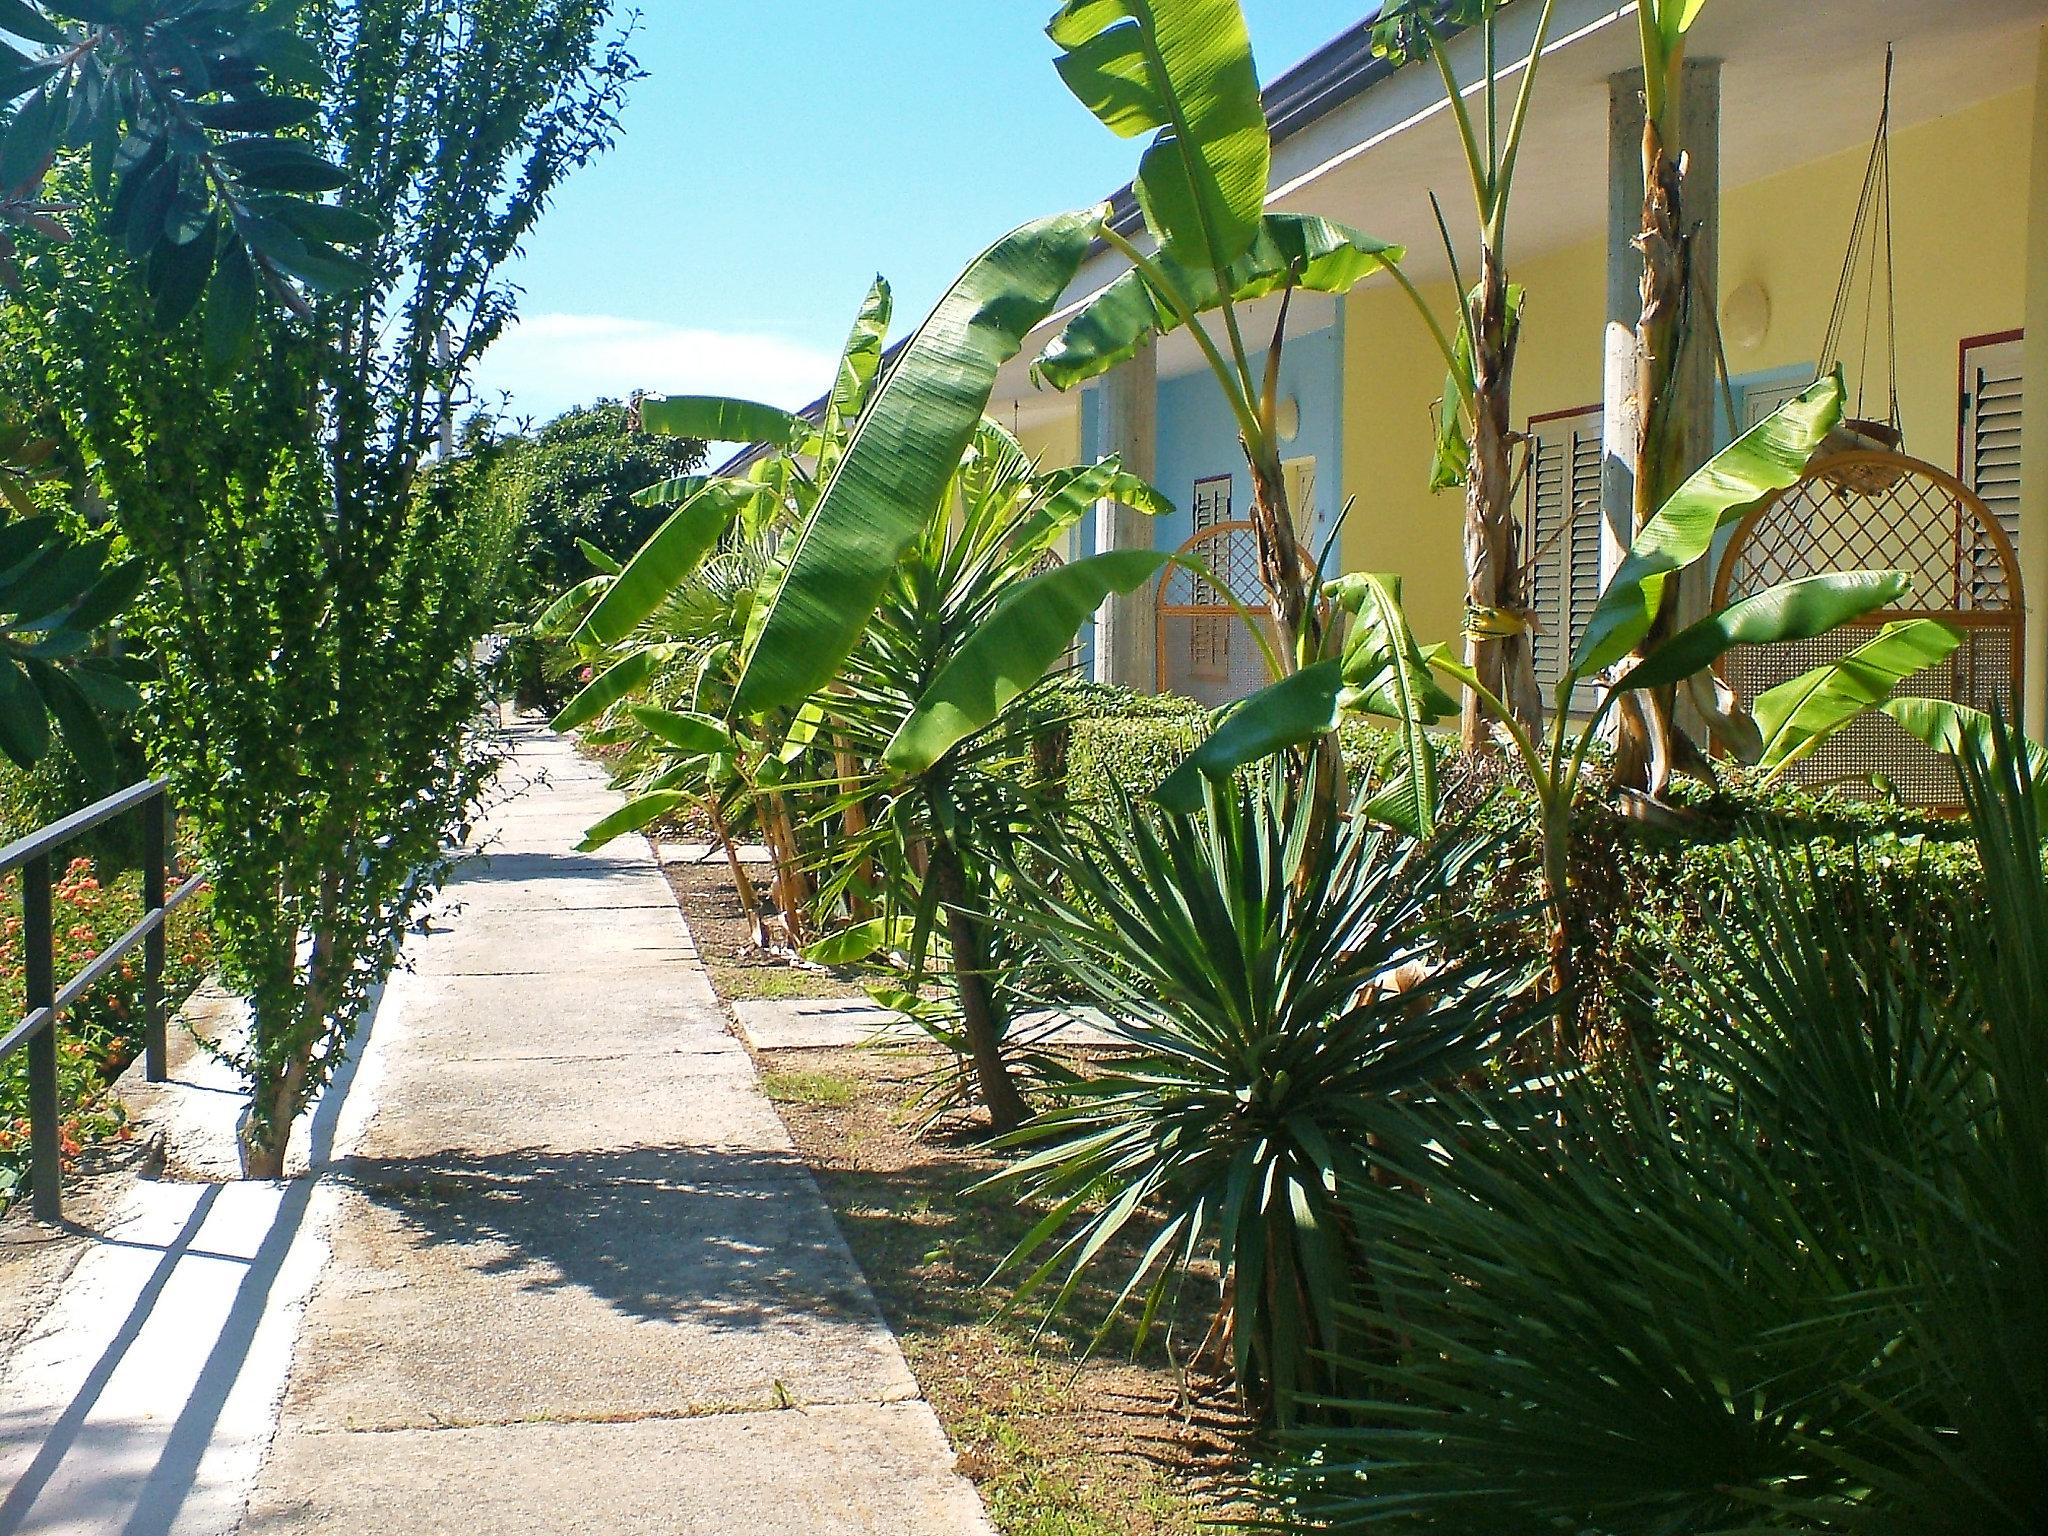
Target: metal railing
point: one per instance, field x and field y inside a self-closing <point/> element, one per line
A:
<point x="47" y="1003"/>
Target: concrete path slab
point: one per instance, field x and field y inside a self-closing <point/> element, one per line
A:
<point x="577" y="1230"/>
<point x="553" y="1264"/>
<point x="840" y="1471"/>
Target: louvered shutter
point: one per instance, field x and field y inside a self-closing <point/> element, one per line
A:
<point x="1562" y="534"/>
<point x="1994" y="390"/>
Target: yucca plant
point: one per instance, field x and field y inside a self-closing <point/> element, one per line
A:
<point x="1279" y="980"/>
<point x="1793" y="1277"/>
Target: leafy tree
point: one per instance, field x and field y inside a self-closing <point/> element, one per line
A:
<point x="317" y="602"/>
<point x="572" y="484"/>
<point x="176" y="112"/>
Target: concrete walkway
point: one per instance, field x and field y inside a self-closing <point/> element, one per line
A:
<point x="555" y="1267"/>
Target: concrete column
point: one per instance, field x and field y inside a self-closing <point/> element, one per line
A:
<point x="2034" y="424"/>
<point x="1699" y="388"/>
<point x="1126" y="638"/>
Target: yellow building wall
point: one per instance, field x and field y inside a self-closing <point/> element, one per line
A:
<point x="1961" y="233"/>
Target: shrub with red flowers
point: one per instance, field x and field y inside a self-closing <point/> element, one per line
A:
<point x="97" y="1040"/>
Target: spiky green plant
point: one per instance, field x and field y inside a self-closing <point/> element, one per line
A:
<point x="1280" y="982"/>
<point x="1793" y="1277"/>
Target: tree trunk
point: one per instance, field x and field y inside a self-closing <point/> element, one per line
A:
<point x="1498" y="649"/>
<point x="264" y="1139"/>
<point x="1006" y="1107"/>
<point x="742" y="883"/>
<point x="1650" y="745"/>
<point x="853" y="820"/>
<point x="1286" y="570"/>
<point x="1298" y="615"/>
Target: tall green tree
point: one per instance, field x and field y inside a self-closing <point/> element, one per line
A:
<point x="316" y="607"/>
<point x="571" y="482"/>
<point x="165" y="121"/>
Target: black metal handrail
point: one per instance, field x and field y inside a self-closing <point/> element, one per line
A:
<point x="46" y="1003"/>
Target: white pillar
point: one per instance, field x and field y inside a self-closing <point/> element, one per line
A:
<point x="1126" y="638"/>
<point x="2034" y="423"/>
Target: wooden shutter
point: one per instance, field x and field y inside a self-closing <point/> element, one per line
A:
<point x="1994" y="391"/>
<point x="1561" y="535"/>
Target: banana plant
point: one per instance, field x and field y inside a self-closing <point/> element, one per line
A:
<point x="1476" y="436"/>
<point x="684" y="605"/>
<point x="1613" y="657"/>
<point x="896" y="481"/>
<point x="931" y="706"/>
<point x="1649" y="743"/>
<point x="1182" y="71"/>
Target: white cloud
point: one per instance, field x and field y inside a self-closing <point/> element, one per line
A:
<point x="547" y="363"/>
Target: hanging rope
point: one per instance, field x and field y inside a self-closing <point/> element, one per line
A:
<point x="1870" y="237"/>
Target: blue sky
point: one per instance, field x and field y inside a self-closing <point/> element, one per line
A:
<point x="782" y="152"/>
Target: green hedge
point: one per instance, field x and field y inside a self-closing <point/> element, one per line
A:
<point x="1647" y="892"/>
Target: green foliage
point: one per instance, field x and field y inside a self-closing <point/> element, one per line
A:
<point x="1183" y="71"/>
<point x="194" y="122"/>
<point x="1278" y="978"/>
<point x="572" y="483"/>
<point x="1291" y="250"/>
<point x="901" y="459"/>
<point x="315" y="606"/>
<point x="1788" y="1277"/>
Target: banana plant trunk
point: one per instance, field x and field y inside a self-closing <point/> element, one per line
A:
<point x="978" y="1009"/>
<point x="1289" y="572"/>
<point x="1498" y="648"/>
<point x="1650" y="743"/>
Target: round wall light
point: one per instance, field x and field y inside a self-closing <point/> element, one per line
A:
<point x="1289" y="419"/>
<point x="1746" y="316"/>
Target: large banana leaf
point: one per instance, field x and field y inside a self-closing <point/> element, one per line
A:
<point x="672" y="492"/>
<point x="609" y="686"/>
<point x="1011" y="651"/>
<point x="1793" y="610"/>
<point x="1065" y="496"/>
<point x="858" y="362"/>
<point x="697" y="735"/>
<point x="1297" y="709"/>
<point x="1181" y="69"/>
<point x="633" y="816"/>
<point x="1953" y="729"/>
<point x="1386" y="675"/>
<point x="668" y="557"/>
<point x="902" y="456"/>
<point x="718" y="419"/>
<point x="1797" y="716"/>
<point x="1290" y="249"/>
<point x="565" y="614"/>
<point x="1769" y="457"/>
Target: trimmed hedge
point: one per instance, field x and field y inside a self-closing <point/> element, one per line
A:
<point x="1646" y="892"/>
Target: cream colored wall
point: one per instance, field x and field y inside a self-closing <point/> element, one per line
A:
<point x="1961" y="221"/>
<point x="1056" y="442"/>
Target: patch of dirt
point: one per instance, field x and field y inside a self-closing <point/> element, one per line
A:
<point x="741" y="969"/>
<point x="1059" y="1442"/>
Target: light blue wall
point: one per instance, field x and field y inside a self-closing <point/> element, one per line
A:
<point x="1198" y="435"/>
